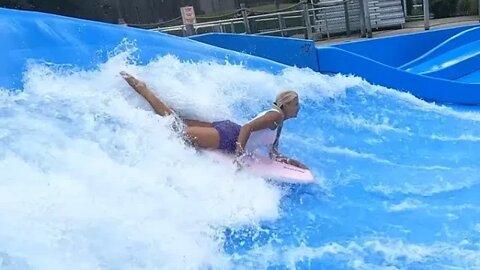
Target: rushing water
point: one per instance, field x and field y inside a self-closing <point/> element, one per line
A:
<point x="93" y="179"/>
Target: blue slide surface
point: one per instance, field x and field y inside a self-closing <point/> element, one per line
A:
<point x="44" y="37"/>
<point x="440" y="65"/>
<point x="453" y="59"/>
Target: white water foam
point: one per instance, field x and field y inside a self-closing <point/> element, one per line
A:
<point x="92" y="179"/>
<point x="405" y="205"/>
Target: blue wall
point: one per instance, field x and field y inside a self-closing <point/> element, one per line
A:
<point x="30" y="35"/>
<point x="293" y="52"/>
<point x="336" y="60"/>
<point x="398" y="50"/>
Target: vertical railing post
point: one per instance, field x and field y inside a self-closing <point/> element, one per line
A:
<point x="281" y="24"/>
<point x="347" y="17"/>
<point x="120" y="19"/>
<point x="306" y="16"/>
<point x="362" y="18"/>
<point x="325" y="15"/>
<point x="426" y="14"/>
<point x="245" y="18"/>
<point x="277" y="4"/>
<point x="478" y="10"/>
<point x="189" y="30"/>
<point x="368" y="23"/>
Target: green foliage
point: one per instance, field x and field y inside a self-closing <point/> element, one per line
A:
<point x="13" y="4"/>
<point x="409" y="7"/>
<point x="443" y="8"/>
<point x="63" y="7"/>
<point x="467" y="7"/>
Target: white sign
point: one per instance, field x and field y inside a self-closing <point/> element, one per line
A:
<point x="188" y="15"/>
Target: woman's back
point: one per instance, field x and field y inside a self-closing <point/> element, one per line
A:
<point x="261" y="139"/>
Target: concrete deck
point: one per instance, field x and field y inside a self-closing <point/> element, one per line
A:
<point x="408" y="27"/>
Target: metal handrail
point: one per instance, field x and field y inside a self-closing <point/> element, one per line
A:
<point x="154" y="25"/>
<point x="274" y="14"/>
<point x="308" y="12"/>
<point x="222" y="23"/>
<point x="284" y="30"/>
<point x="202" y="24"/>
<point x="196" y="25"/>
<point x="275" y="11"/>
<point x="236" y="12"/>
<point x="331" y="4"/>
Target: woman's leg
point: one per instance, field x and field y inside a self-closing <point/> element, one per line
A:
<point x="201" y="134"/>
<point x="158" y="105"/>
<point x="204" y="137"/>
<point x="140" y="87"/>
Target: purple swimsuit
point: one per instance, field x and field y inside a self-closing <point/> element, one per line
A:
<point x="228" y="132"/>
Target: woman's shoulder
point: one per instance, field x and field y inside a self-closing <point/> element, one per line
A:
<point x="269" y="115"/>
<point x="275" y="113"/>
<point x="275" y="117"/>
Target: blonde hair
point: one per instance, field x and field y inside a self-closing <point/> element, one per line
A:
<point x="285" y="97"/>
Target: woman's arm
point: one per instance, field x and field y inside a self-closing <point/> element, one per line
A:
<point x="269" y="120"/>
<point x="275" y="154"/>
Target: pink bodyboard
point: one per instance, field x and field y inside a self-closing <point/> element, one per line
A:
<point x="267" y="168"/>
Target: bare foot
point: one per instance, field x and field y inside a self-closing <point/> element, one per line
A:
<point x="132" y="81"/>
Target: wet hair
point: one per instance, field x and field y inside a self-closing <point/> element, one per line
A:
<point x="285" y="97"/>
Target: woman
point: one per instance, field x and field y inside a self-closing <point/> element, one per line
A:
<point x="262" y="131"/>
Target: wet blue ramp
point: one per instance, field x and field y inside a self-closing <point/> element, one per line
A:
<point x="452" y="59"/>
<point x="60" y="40"/>
<point x="438" y="65"/>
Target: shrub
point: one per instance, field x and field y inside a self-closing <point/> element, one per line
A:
<point x="443" y="8"/>
<point x="467" y="7"/>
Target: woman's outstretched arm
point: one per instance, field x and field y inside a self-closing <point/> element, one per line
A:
<point x="275" y="154"/>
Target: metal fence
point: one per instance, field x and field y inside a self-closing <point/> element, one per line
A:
<point x="308" y="19"/>
<point x="292" y="20"/>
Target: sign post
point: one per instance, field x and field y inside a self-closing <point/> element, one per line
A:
<point x="189" y="19"/>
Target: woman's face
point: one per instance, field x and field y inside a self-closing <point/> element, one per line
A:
<point x="291" y="108"/>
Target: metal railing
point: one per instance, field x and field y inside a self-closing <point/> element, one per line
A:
<point x="293" y="20"/>
<point x="307" y="19"/>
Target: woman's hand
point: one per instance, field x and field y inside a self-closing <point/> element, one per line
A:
<point x="239" y="153"/>
<point x="297" y="163"/>
<point x="291" y="161"/>
<point x="239" y="161"/>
